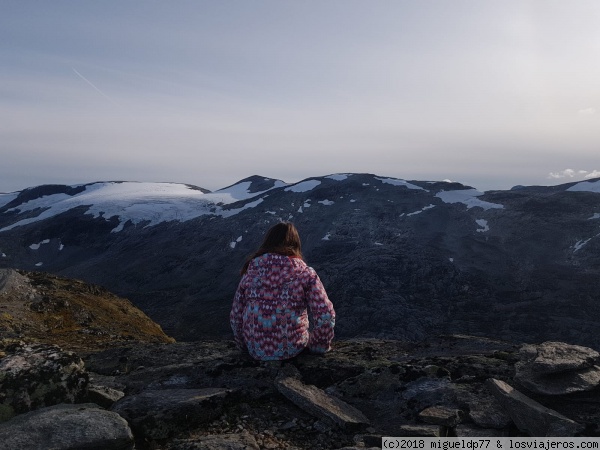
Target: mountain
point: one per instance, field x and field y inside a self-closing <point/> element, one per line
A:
<point x="400" y="259"/>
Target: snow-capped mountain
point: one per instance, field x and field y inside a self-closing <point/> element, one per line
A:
<point x="399" y="258"/>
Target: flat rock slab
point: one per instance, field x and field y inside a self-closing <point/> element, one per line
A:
<point x="67" y="427"/>
<point x="160" y="414"/>
<point x="319" y="404"/>
<point x="441" y="415"/>
<point x="104" y="395"/>
<point x="419" y="431"/>
<point x="484" y="410"/>
<point x="556" y="368"/>
<point x="530" y="416"/>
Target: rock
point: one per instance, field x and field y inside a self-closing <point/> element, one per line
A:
<point x="67" y="427"/>
<point x="441" y="415"/>
<point x="419" y="431"/>
<point x="556" y="368"/>
<point x="104" y="395"/>
<point x="426" y="392"/>
<point x="530" y="416"/>
<point x="321" y="405"/>
<point x="230" y="441"/>
<point x="34" y="376"/>
<point x="484" y="410"/>
<point x="464" y="430"/>
<point x="159" y="414"/>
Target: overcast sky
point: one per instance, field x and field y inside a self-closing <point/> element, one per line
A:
<point x="488" y="93"/>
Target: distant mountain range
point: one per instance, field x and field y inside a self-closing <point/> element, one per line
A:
<point x="399" y="259"/>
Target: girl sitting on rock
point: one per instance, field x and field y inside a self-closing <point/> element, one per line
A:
<point x="269" y="316"/>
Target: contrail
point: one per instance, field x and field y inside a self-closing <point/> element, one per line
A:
<point x="94" y="86"/>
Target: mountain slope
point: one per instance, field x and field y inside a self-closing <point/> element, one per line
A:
<point x="401" y="259"/>
<point x="70" y="313"/>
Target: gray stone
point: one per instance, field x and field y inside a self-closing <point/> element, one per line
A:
<point x="555" y="357"/>
<point x="159" y="414"/>
<point x="34" y="376"/>
<point x="230" y="441"/>
<point x="419" y="431"/>
<point x="67" y="427"/>
<point x="441" y="415"/>
<point x="104" y="395"/>
<point x="530" y="416"/>
<point x="427" y="391"/>
<point x="556" y="368"/>
<point x="464" y="430"/>
<point x="316" y="402"/>
<point x="484" y="410"/>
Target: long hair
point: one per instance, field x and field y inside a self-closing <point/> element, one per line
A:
<point x="282" y="239"/>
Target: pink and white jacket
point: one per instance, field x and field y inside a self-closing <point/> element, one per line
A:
<point x="269" y="316"/>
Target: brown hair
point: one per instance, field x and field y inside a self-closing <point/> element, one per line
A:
<point x="282" y="239"/>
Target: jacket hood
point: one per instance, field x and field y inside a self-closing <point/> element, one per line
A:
<point x="272" y="269"/>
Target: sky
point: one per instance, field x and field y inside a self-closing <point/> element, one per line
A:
<point x="488" y="93"/>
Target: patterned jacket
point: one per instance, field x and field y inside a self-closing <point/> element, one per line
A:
<point x="269" y="315"/>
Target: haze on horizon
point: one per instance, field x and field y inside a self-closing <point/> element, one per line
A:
<point x="490" y="94"/>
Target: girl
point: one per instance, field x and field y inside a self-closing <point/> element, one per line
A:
<point x="269" y="316"/>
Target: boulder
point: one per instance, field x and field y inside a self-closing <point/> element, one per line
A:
<point x="426" y="391"/>
<point x="67" y="427"/>
<point x="321" y="405"/>
<point x="556" y="368"/>
<point x="530" y="416"/>
<point x="441" y="415"/>
<point x="159" y="414"/>
<point x="484" y="410"/>
<point x="104" y="395"/>
<point x="34" y="376"/>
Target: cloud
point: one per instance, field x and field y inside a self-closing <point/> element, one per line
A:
<point x="570" y="173"/>
<point x="587" y="111"/>
<point x="567" y="173"/>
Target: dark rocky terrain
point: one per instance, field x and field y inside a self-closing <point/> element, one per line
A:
<point x="140" y="389"/>
<point x="402" y="260"/>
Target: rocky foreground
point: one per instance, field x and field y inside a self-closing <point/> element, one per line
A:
<point x="208" y="395"/>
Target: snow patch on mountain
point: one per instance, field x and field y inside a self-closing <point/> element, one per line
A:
<point x="39" y="244"/>
<point x="580" y="244"/>
<point x="483" y="224"/>
<point x="241" y="191"/>
<point x="397" y="182"/>
<point x="139" y="202"/>
<point x="338" y="176"/>
<point x="232" y="244"/>
<point x="425" y="208"/>
<point x="326" y="202"/>
<point x="467" y="197"/>
<point x="303" y="186"/>
<point x="595" y="216"/>
<point x="586" y="186"/>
